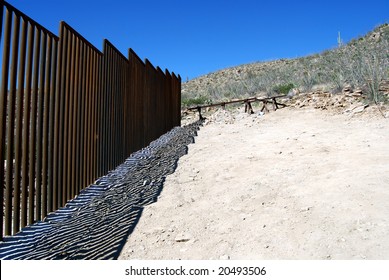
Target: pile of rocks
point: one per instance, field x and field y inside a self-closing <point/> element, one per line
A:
<point x="384" y="88"/>
<point x="220" y="116"/>
<point x="326" y="100"/>
<point x="349" y="101"/>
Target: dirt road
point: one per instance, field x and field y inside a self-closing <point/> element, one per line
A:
<point x="293" y="184"/>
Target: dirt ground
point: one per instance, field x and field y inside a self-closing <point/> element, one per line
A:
<point x="292" y="184"/>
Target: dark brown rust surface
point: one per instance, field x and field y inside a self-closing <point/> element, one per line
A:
<point x="69" y="113"/>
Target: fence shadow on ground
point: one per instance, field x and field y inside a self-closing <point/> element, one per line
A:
<point x="97" y="223"/>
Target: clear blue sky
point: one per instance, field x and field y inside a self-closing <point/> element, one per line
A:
<point x="193" y="38"/>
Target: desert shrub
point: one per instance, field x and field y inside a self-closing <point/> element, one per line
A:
<point x="283" y="89"/>
<point x="200" y="100"/>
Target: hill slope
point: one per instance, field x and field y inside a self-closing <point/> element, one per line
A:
<point x="363" y="63"/>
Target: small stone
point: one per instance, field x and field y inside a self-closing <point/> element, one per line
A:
<point x="305" y="209"/>
<point x="158" y="230"/>
<point x="244" y="216"/>
<point x="183" y="237"/>
<point x="224" y="257"/>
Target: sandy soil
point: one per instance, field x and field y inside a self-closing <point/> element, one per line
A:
<point x="292" y="184"/>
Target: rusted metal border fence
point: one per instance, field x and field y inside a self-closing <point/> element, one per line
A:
<point x="69" y="113"/>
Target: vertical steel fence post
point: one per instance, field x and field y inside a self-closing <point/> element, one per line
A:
<point x="26" y="126"/>
<point x="19" y="124"/>
<point x="3" y="114"/>
<point x="10" y="124"/>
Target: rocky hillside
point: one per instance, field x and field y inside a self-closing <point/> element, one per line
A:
<point x="362" y="63"/>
